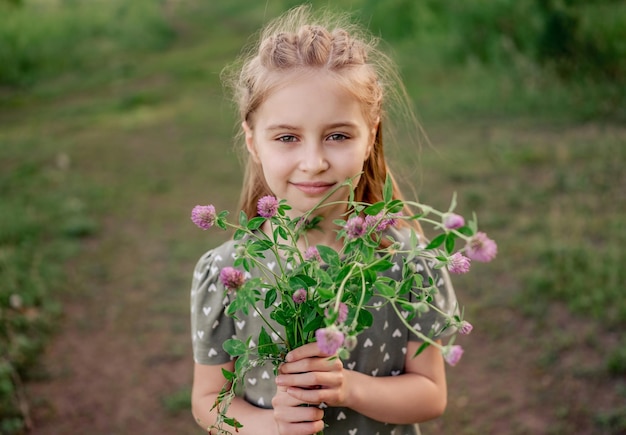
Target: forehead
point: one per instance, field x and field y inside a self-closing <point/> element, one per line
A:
<point x="308" y="96"/>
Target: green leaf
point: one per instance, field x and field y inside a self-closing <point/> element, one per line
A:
<point x="437" y="241"/>
<point x="365" y="319"/>
<point x="231" y="421"/>
<point x="466" y="231"/>
<point x="266" y="345"/>
<point x="282" y="232"/>
<point x="255" y="223"/>
<point x="325" y="293"/>
<point x="395" y="206"/>
<point x="329" y="255"/>
<point x="313" y="323"/>
<point x="374" y="209"/>
<point x="235" y="347"/>
<point x="450" y="239"/>
<point x="243" y="218"/>
<point x="241" y="362"/>
<point x="388" y="189"/>
<point x="270" y="297"/>
<point x="228" y="375"/>
<point x="406" y="287"/>
<point x="385" y="289"/>
<point x="301" y="281"/>
<point x="421" y="349"/>
<point x="261" y="245"/>
<point x="380" y="266"/>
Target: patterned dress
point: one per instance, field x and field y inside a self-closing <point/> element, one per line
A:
<point x="381" y="349"/>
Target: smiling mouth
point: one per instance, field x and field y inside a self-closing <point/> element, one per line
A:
<point x="313" y="188"/>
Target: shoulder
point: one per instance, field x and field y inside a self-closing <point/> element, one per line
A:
<point x="213" y="260"/>
<point x="223" y="253"/>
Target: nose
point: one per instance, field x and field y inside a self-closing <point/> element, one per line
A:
<point x="313" y="158"/>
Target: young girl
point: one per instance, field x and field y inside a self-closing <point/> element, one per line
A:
<point x="311" y="98"/>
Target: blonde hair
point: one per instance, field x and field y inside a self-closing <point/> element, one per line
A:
<point x="300" y="41"/>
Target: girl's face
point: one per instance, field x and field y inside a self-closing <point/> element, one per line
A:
<point x="309" y="136"/>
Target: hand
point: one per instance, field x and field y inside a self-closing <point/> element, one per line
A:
<point x="293" y="416"/>
<point x="312" y="377"/>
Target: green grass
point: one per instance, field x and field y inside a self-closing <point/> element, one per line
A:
<point x="119" y="151"/>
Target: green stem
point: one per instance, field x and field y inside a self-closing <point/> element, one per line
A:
<point x="415" y="331"/>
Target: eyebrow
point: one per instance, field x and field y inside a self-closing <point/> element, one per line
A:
<point x="345" y="124"/>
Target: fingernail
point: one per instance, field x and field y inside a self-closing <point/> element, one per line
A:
<point x="279" y="380"/>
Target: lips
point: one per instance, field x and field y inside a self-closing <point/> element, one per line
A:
<point x="313" y="187"/>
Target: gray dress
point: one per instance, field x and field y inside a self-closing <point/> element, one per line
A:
<point x="381" y="349"/>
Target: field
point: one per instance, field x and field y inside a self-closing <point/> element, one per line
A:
<point x="114" y="124"/>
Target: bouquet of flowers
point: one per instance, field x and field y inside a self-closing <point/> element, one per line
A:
<point x="323" y="295"/>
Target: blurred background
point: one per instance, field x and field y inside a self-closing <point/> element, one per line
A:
<point x="114" y="124"/>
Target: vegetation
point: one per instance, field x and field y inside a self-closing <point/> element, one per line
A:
<point x="105" y="107"/>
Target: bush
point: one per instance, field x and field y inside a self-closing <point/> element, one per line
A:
<point x="43" y="39"/>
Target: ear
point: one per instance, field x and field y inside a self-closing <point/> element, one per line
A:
<point x="249" y="136"/>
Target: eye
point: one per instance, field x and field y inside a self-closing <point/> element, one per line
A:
<point x="337" y="137"/>
<point x="287" y="138"/>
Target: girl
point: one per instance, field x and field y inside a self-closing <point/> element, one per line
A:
<point x="311" y="99"/>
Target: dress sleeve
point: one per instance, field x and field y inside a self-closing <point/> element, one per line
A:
<point x="210" y="326"/>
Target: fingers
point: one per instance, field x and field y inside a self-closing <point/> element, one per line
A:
<point x="311" y="363"/>
<point x="306" y="351"/>
<point x="294" y="419"/>
<point x="312" y="377"/>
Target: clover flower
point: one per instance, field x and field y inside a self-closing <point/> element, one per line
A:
<point x="267" y="206"/>
<point x="458" y="263"/>
<point x="453" y="221"/>
<point x="342" y="313"/>
<point x="452" y="354"/>
<point x="232" y="278"/>
<point x="381" y="221"/>
<point x="355" y="227"/>
<point x="350" y="343"/>
<point x="311" y="253"/>
<point x="481" y="248"/>
<point x="299" y="296"/>
<point x="329" y="340"/>
<point x="465" y="328"/>
<point x="203" y="216"/>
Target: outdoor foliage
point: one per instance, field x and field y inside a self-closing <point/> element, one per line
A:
<point x="328" y="296"/>
<point x="110" y="72"/>
<point x="40" y="39"/>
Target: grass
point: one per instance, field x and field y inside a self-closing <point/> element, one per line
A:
<point x="118" y="152"/>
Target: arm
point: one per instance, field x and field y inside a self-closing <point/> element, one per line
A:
<point x="208" y="380"/>
<point x="418" y="395"/>
<point x="287" y="417"/>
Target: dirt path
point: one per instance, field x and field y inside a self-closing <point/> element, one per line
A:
<point x="120" y="351"/>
